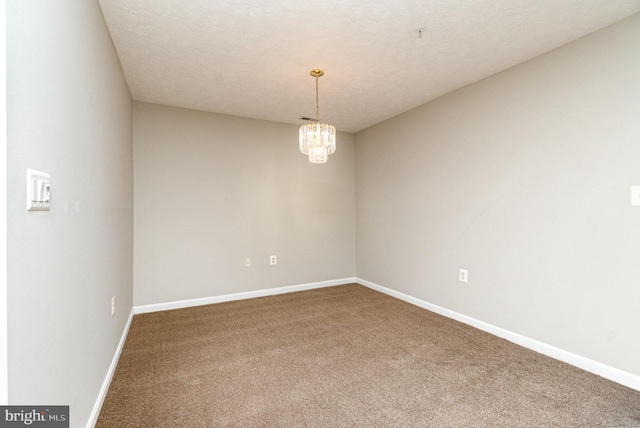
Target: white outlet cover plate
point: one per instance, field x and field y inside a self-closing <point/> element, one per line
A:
<point x="635" y="196"/>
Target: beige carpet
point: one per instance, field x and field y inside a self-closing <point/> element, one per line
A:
<point x="344" y="356"/>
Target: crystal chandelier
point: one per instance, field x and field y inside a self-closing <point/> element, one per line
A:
<point x="318" y="140"/>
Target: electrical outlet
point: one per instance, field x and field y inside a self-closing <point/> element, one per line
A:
<point x="113" y="305"/>
<point x="273" y="260"/>
<point x="247" y="262"/>
<point x="463" y="276"/>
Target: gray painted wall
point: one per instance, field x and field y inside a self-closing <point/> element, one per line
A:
<point x="212" y="190"/>
<point x="523" y="179"/>
<point x="69" y="113"/>
<point x="4" y="381"/>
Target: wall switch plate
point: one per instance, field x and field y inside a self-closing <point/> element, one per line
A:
<point x="38" y="191"/>
<point x="247" y="262"/>
<point x="635" y="196"/>
<point x="273" y="260"/>
<point x="463" y="276"/>
<point x="113" y="305"/>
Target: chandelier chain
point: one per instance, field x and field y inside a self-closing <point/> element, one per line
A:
<point x="317" y="120"/>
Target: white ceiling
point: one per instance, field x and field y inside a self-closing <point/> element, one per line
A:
<point x="252" y="58"/>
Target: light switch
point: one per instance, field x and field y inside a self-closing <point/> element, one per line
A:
<point x="635" y="196"/>
<point x="38" y="191"/>
<point x="34" y="189"/>
<point x="46" y="196"/>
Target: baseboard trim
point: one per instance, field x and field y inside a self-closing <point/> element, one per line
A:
<point x="239" y="296"/>
<point x="616" y="375"/>
<point x="93" y="418"/>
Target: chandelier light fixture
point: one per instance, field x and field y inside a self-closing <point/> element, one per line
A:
<point x="317" y="140"/>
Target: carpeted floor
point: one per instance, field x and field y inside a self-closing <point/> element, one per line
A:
<point x="344" y="356"/>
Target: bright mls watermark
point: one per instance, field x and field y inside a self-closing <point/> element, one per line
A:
<point x="34" y="416"/>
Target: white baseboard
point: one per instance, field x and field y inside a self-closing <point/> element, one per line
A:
<point x="93" y="419"/>
<point x="624" y="378"/>
<point x="239" y="296"/>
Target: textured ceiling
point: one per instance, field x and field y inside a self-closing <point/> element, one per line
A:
<point x="252" y="58"/>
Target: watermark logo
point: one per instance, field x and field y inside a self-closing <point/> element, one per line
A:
<point x="34" y="416"/>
